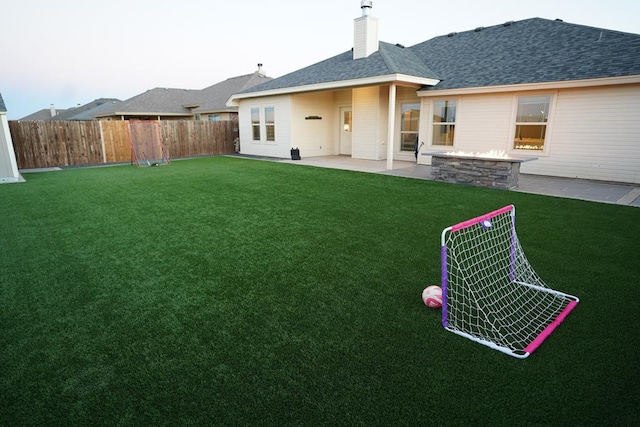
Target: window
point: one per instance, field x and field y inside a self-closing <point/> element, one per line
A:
<point x="409" y="126"/>
<point x="255" y="123"/>
<point x="444" y="122"/>
<point x="531" y="122"/>
<point x="215" y="117"/>
<point x="270" y="123"/>
<point x="347" y="121"/>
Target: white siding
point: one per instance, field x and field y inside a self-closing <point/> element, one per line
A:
<point x="314" y="137"/>
<point x="282" y="145"/>
<point x="343" y="98"/>
<point x="595" y="134"/>
<point x="366" y="140"/>
<point x="380" y="144"/>
<point x="483" y="123"/>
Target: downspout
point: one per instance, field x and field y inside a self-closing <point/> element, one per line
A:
<point x="391" y="127"/>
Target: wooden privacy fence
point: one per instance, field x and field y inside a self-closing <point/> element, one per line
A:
<point x="40" y="144"/>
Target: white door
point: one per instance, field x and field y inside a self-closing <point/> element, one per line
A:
<point x="346" y="129"/>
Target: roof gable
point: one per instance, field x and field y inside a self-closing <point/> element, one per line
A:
<point x="214" y="98"/>
<point x="3" y="109"/>
<point x="530" y="51"/>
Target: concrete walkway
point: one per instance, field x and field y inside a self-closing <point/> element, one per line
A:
<point x="571" y="188"/>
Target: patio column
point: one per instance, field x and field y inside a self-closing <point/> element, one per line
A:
<point x="391" y="128"/>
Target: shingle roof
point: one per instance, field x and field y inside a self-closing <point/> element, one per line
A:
<point x="214" y="98"/>
<point x="183" y="101"/>
<point x="80" y="113"/>
<point x="389" y="59"/>
<point x="44" y="114"/>
<point x="157" y="100"/>
<point x="3" y="109"/>
<point x="530" y="51"/>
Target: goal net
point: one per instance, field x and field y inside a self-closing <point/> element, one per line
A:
<point x="491" y="294"/>
<point x="147" y="148"/>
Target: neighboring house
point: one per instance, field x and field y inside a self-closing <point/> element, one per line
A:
<point x="8" y="165"/>
<point x="84" y="112"/>
<point x="211" y="103"/>
<point x="154" y="104"/>
<point x="183" y="104"/>
<point x="81" y="112"/>
<point x="566" y="94"/>
<point x="44" y="114"/>
<point x="90" y="114"/>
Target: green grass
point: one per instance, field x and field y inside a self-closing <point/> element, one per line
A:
<point x="238" y="292"/>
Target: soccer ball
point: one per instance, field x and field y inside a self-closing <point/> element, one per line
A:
<point x="432" y="296"/>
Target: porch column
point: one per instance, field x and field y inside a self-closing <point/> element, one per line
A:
<point x="391" y="128"/>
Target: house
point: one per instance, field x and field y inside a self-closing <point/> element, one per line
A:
<point x="154" y="104"/>
<point x="211" y="103"/>
<point x="84" y="112"/>
<point x="567" y="95"/>
<point x="8" y="165"/>
<point x="183" y="104"/>
<point x="81" y="112"/>
<point x="44" y="114"/>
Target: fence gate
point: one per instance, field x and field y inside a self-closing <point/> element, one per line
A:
<point x="146" y="142"/>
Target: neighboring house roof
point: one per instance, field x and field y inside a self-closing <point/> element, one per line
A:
<point x="214" y="98"/>
<point x="530" y="51"/>
<point x="388" y="60"/>
<point x="182" y="102"/>
<point x="79" y="113"/>
<point x="157" y="101"/>
<point x="3" y="109"/>
<point x="44" y="114"/>
<point x="93" y="112"/>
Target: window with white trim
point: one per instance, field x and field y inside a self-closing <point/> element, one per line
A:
<point x="255" y="123"/>
<point x="444" y="122"/>
<point x="531" y="122"/>
<point x="270" y="123"/>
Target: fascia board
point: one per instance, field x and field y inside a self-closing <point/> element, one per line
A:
<point x="368" y="81"/>
<point x="533" y="86"/>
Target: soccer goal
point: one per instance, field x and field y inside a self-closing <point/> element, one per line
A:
<point x="491" y="294"/>
<point x="147" y="148"/>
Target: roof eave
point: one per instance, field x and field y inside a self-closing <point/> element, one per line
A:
<point x="367" y="81"/>
<point x="607" y="81"/>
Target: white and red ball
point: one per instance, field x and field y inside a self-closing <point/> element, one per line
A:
<point x="432" y="296"/>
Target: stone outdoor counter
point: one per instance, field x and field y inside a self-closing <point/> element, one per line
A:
<point x="494" y="172"/>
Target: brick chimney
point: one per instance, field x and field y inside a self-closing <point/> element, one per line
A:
<point x="365" y="34"/>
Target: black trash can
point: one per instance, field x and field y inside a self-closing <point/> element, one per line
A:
<point x="295" y="154"/>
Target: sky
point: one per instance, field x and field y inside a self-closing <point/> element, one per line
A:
<point x="70" y="52"/>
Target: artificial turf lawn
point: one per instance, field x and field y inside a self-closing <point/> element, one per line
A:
<point x="240" y="292"/>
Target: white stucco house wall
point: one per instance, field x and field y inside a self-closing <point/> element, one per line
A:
<point x="566" y="94"/>
<point x="8" y="165"/>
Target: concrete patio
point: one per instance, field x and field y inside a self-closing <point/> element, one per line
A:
<point x="572" y="188"/>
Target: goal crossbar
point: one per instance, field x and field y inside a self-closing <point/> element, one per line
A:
<point x="491" y="294"/>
